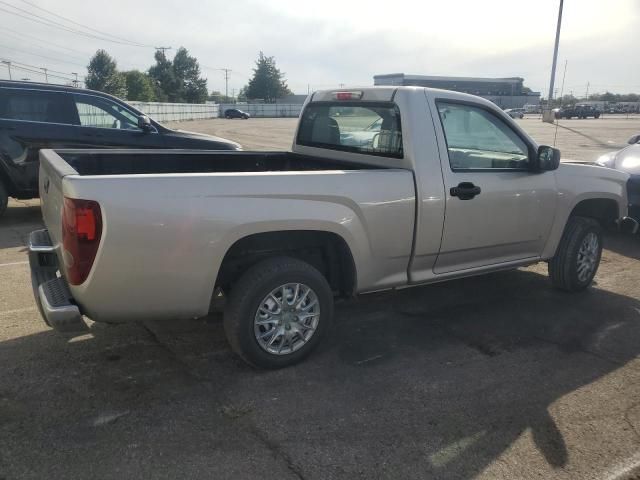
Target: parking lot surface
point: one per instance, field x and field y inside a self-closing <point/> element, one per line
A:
<point x="489" y="377"/>
<point x="583" y="140"/>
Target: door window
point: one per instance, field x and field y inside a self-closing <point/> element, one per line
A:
<point x="36" y="106"/>
<point x="102" y="113"/>
<point x="478" y="140"/>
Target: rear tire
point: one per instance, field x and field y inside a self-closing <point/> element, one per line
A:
<point x="578" y="255"/>
<point x="4" y="198"/>
<point x="270" y="321"/>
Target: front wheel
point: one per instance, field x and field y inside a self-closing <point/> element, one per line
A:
<point x="578" y="256"/>
<point x="278" y="312"/>
<point x="4" y="198"/>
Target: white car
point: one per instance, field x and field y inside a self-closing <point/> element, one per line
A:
<point x="515" y="112"/>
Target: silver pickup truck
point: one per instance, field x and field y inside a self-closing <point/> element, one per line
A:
<point x="384" y="188"/>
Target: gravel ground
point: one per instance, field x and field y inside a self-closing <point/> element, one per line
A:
<point x="577" y="139"/>
<point x="488" y="377"/>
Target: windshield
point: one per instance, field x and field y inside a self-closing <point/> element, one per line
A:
<point x="372" y="129"/>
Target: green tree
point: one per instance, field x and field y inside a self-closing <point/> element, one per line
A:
<point x="178" y="80"/>
<point x="103" y="75"/>
<point x="139" y="86"/>
<point x="218" y="97"/>
<point x="164" y="81"/>
<point x="268" y="82"/>
<point x="192" y="87"/>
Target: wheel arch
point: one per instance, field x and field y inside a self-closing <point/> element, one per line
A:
<point x="603" y="208"/>
<point x="327" y="251"/>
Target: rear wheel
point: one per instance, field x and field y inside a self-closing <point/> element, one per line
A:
<point x="578" y="256"/>
<point x="278" y="312"/>
<point x="4" y="198"/>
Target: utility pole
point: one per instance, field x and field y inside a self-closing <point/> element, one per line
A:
<point x="75" y="82"/>
<point x="8" y="64"/>
<point x="226" y="80"/>
<point x="46" y="77"/>
<point x="163" y="50"/>
<point x="549" y="117"/>
<point x="587" y="94"/>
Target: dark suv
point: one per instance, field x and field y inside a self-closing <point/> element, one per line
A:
<point x="236" y="113"/>
<point x="35" y="116"/>
<point x="578" y="111"/>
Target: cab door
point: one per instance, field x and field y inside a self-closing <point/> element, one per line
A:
<point x="32" y="119"/>
<point x="497" y="209"/>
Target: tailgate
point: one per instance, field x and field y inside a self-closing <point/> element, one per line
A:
<point x="53" y="169"/>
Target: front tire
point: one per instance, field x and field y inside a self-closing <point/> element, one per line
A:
<point x="278" y="312"/>
<point x="4" y="198"/>
<point x="578" y="256"/>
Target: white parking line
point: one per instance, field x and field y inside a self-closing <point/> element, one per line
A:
<point x="13" y="263"/>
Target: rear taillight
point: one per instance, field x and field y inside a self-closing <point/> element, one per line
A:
<point x="81" y="232"/>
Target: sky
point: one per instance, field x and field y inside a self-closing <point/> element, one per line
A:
<point x="323" y="44"/>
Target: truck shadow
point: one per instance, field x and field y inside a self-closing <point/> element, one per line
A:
<point x="429" y="382"/>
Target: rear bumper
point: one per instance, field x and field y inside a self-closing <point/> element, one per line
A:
<point x="51" y="292"/>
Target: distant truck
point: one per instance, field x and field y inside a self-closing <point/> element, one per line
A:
<point x="358" y="206"/>
<point x="577" y="111"/>
<point x="40" y="115"/>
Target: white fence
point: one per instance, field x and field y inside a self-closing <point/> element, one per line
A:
<point x="175" y="112"/>
<point x="270" y="110"/>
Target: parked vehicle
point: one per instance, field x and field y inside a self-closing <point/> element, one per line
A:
<point x="236" y="113"/>
<point x="627" y="160"/>
<point x="275" y="236"/>
<point x="578" y="111"/>
<point x="35" y="116"/>
<point x="515" y="112"/>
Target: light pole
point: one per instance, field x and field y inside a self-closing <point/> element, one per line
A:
<point x="547" y="116"/>
<point x="8" y="64"/>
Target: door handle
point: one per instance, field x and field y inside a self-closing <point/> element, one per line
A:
<point x="465" y="191"/>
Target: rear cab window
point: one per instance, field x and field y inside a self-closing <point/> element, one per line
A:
<point x="36" y="106"/>
<point x="358" y="127"/>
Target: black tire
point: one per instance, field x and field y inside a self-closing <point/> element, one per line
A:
<point x="563" y="267"/>
<point x="246" y="298"/>
<point x="4" y="198"/>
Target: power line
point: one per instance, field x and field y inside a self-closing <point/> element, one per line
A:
<point x="11" y="36"/>
<point x="43" y="56"/>
<point x="52" y="24"/>
<point x="47" y="72"/>
<point x="82" y="25"/>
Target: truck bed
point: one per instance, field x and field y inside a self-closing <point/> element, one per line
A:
<point x="168" y="219"/>
<point x="132" y="162"/>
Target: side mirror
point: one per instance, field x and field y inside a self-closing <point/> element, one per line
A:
<point x="635" y="139"/>
<point x="547" y="159"/>
<point x="144" y="123"/>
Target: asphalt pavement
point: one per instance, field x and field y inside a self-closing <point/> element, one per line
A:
<point x="489" y="377"/>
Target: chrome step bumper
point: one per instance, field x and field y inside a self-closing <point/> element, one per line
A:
<point x="50" y="291"/>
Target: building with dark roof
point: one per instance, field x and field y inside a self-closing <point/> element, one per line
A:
<point x="507" y="92"/>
